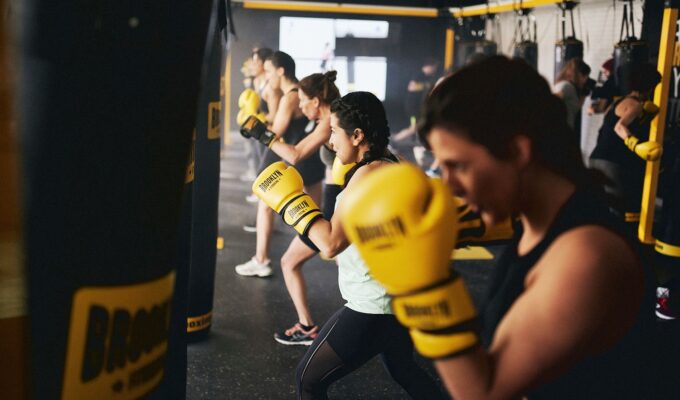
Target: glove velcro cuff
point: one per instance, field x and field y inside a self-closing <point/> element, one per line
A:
<point x="300" y="212"/>
<point x="631" y="142"/>
<point x="445" y="345"/>
<point x="248" y="126"/>
<point x="440" y="306"/>
<point x="267" y="138"/>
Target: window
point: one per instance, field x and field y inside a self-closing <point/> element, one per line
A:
<point x="312" y="43"/>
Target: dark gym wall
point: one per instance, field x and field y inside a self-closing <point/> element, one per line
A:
<point x="410" y="41"/>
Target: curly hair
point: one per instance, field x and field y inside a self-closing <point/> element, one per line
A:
<point x="362" y="110"/>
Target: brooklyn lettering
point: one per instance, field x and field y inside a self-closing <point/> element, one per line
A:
<point x="441" y="308"/>
<point x="264" y="186"/>
<point x="300" y="207"/>
<point x="389" y="229"/>
<point x="121" y="336"/>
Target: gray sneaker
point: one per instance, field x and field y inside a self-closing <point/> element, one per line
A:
<point x="297" y="335"/>
<point x="254" y="268"/>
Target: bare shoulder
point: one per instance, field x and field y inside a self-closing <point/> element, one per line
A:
<point x="628" y="106"/>
<point x="596" y="245"/>
<point x="595" y="278"/>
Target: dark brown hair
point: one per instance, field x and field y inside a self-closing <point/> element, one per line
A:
<point x="364" y="111"/>
<point x="496" y="99"/>
<point x="321" y="86"/>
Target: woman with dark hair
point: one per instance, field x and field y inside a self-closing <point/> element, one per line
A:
<point x="365" y="326"/>
<point x="568" y="314"/>
<point x="317" y="92"/>
<point x="625" y="132"/>
<point x="289" y="124"/>
<point x="569" y="86"/>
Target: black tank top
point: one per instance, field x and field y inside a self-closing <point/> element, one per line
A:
<point x="311" y="168"/>
<point x="611" y="147"/>
<point x="619" y="373"/>
<point x="388" y="157"/>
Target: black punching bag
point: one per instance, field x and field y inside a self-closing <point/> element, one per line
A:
<point x="474" y="50"/>
<point x="486" y="47"/>
<point x="471" y="41"/>
<point x="565" y="50"/>
<point x="527" y="51"/>
<point x="108" y="94"/>
<point x="629" y="50"/>
<point x="627" y="53"/>
<point x="568" y="47"/>
<point x="526" y="46"/>
<point x="205" y="193"/>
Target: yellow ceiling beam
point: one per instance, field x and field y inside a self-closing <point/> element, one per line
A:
<point x="349" y="8"/>
<point x="500" y="7"/>
<point x="344" y="8"/>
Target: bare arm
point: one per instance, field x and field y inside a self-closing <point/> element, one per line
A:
<point x="569" y="310"/>
<point x="303" y="149"/>
<point x="415" y="86"/>
<point x="329" y="236"/>
<point x="627" y="111"/>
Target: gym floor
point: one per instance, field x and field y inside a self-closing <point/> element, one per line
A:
<point x="241" y="360"/>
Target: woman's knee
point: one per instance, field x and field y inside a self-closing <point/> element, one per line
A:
<point x="307" y="388"/>
<point x="289" y="262"/>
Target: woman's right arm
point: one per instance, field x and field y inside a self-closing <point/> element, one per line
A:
<point x="627" y="111"/>
<point x="307" y="146"/>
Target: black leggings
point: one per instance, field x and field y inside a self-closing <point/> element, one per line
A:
<point x="347" y="341"/>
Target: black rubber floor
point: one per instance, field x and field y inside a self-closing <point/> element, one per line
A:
<point x="241" y="360"/>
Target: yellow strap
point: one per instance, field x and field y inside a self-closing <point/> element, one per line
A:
<point x="199" y="323"/>
<point x="667" y="249"/>
<point x="471" y="253"/>
<point x="631" y="217"/>
<point x="439" y="346"/>
<point x="437" y="308"/>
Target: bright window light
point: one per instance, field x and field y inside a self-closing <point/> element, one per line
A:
<point x="311" y="42"/>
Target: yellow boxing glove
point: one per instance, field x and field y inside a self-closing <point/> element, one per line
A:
<point x="649" y="151"/>
<point x="472" y="229"/>
<point x="404" y="225"/>
<point x="339" y="171"/>
<point x="649" y="111"/>
<point x="248" y="104"/>
<point x="280" y="187"/>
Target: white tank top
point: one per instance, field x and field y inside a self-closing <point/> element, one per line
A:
<point x="362" y="293"/>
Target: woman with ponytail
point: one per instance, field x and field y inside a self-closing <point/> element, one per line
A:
<point x="316" y="93"/>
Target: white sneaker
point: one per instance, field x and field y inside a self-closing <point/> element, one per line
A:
<point x="253" y="268"/>
<point x="252" y="228"/>
<point x="251" y="198"/>
<point x="248" y="177"/>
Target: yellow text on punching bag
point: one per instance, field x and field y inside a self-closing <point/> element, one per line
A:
<point x="117" y="340"/>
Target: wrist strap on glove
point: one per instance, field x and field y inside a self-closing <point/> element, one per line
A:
<point x="439" y="306"/>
